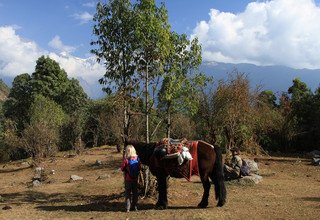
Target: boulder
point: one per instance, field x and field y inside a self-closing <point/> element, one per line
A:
<point x="253" y="166"/>
<point x="316" y="161"/>
<point x="251" y="180"/>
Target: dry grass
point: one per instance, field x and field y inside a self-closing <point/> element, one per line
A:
<point x="290" y="190"/>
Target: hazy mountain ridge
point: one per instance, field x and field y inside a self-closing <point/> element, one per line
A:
<point x="275" y="78"/>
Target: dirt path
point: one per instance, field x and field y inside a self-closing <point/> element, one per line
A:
<point x="290" y="190"/>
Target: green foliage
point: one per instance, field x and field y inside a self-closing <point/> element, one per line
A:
<point x="104" y="122"/>
<point x="9" y="141"/>
<point x="16" y="107"/>
<point x="116" y="47"/>
<point x="41" y="137"/>
<point x="49" y="79"/>
<point x="153" y="31"/>
<point x="116" y="44"/>
<point x="41" y="101"/>
<point x="39" y="140"/>
<point x="268" y="97"/>
<point x="43" y="110"/>
<point x="182" y="83"/>
<point x="74" y="100"/>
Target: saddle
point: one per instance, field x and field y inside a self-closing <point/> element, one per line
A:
<point x="173" y="148"/>
<point x="177" y="157"/>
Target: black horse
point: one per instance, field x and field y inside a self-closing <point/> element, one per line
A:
<point x="209" y="163"/>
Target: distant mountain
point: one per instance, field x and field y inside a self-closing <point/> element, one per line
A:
<point x="94" y="91"/>
<point x="275" y="78"/>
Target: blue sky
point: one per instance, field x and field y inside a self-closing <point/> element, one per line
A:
<point x="275" y="32"/>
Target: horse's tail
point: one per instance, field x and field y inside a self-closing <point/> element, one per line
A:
<point x="218" y="178"/>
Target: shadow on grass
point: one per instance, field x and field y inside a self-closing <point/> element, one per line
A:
<point x="100" y="203"/>
<point x="106" y="206"/>
<point x="15" y="170"/>
<point x="43" y="198"/>
<point x="311" y="199"/>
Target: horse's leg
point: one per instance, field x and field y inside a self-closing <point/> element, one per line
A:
<point x="162" y="190"/>
<point x="206" y="189"/>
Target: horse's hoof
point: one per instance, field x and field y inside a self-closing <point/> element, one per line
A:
<point x="161" y="206"/>
<point x="221" y="203"/>
<point x="202" y="205"/>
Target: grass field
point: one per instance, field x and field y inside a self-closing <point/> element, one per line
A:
<point x="290" y="190"/>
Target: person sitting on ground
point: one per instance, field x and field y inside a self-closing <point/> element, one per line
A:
<point x="232" y="170"/>
<point x="131" y="167"/>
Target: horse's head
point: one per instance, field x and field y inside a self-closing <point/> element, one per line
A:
<point x="144" y="150"/>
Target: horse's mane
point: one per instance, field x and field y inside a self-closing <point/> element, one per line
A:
<point x="144" y="150"/>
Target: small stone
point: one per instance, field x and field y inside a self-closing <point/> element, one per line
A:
<point x="36" y="183"/>
<point x="75" y="178"/>
<point x="103" y="177"/>
<point x="98" y="163"/>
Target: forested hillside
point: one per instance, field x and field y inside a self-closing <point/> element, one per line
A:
<point x="4" y="91"/>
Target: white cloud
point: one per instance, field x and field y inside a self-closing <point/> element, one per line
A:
<point x="83" y="17"/>
<point x="85" y="68"/>
<point x="57" y="44"/>
<point x="16" y="54"/>
<point x="277" y="32"/>
<point x="19" y="56"/>
<point x="89" y="4"/>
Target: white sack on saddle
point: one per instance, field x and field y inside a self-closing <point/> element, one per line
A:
<point x="186" y="154"/>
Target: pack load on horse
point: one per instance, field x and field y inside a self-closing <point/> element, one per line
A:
<point x="200" y="158"/>
<point x="173" y="148"/>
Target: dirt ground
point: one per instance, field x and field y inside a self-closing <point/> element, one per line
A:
<point x="290" y="190"/>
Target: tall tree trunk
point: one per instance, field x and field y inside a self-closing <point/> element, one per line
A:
<point x="147" y="105"/>
<point x="169" y="120"/>
<point x="147" y="171"/>
<point x="126" y="123"/>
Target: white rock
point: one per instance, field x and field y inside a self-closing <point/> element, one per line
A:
<point x="75" y="178"/>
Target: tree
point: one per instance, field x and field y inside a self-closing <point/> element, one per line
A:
<point x="73" y="99"/>
<point x="16" y="107"/>
<point x="116" y="47"/>
<point x="269" y="121"/>
<point x="182" y="83"/>
<point x="153" y="31"/>
<point x="74" y="102"/>
<point x="41" y="137"/>
<point x="302" y="114"/>
<point x="268" y="97"/>
<point x="49" y="79"/>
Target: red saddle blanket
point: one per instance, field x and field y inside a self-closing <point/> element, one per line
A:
<point x="188" y="168"/>
<point x="193" y="149"/>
